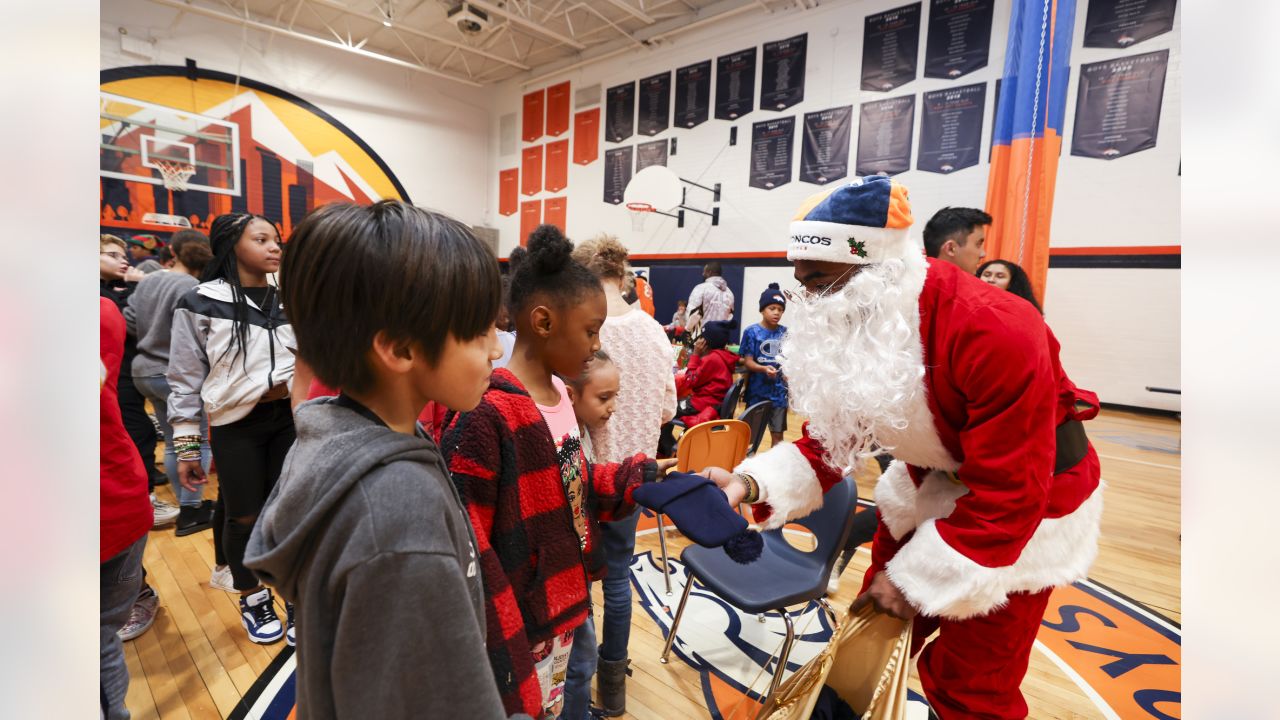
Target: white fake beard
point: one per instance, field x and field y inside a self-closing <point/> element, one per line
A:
<point x="852" y="359"/>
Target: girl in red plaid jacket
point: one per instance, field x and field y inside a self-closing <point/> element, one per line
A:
<point x="533" y="499"/>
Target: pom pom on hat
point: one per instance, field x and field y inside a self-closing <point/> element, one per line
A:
<point x="861" y="222"/>
<point x="772" y="296"/>
<point x="702" y="512"/>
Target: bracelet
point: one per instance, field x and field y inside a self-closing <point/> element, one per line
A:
<point x="753" y="488"/>
<point x="187" y="447"/>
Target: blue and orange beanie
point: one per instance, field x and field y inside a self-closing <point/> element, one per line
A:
<point x="772" y="296"/>
<point x="860" y="222"/>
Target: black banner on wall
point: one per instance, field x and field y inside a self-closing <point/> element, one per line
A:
<point x="824" y="152"/>
<point x="782" y="73"/>
<point x="951" y="128"/>
<point x="651" y="153"/>
<point x="890" y="45"/>
<point x="620" y="112"/>
<point x="735" y="84"/>
<point x="959" y="37"/>
<point x="617" y="173"/>
<point x="1121" y="23"/>
<point x="655" y="104"/>
<point x="693" y="94"/>
<point x="884" y="136"/>
<point x="1118" y="106"/>
<point x="772" y="148"/>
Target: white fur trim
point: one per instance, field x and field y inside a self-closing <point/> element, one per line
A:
<point x="896" y="499"/>
<point x="941" y="581"/>
<point x="829" y="242"/>
<point x="787" y="482"/>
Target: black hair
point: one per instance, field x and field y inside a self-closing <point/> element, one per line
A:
<point x="224" y="234"/>
<point x="164" y="254"/>
<point x="951" y="223"/>
<point x="712" y="269"/>
<point x="518" y="255"/>
<point x="353" y="271"/>
<point x="182" y="237"/>
<point x="1019" y="282"/>
<point x="550" y="270"/>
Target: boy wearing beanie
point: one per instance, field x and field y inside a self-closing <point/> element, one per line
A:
<point x="759" y="349"/>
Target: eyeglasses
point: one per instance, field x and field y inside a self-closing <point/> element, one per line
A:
<point x="802" y="295"/>
<point x="116" y="256"/>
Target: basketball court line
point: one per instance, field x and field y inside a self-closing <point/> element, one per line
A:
<point x="1140" y="462"/>
<point x="1085" y="688"/>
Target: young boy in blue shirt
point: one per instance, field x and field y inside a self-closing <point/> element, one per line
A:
<point x="761" y="344"/>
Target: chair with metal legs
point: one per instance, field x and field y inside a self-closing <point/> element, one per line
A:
<point x="782" y="577"/>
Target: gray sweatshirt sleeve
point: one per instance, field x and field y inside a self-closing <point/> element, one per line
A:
<point x="421" y="653"/>
<point x="188" y="368"/>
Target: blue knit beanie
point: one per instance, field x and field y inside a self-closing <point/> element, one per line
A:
<point x="772" y="296"/>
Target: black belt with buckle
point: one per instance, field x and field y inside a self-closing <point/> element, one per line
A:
<point x="1073" y="444"/>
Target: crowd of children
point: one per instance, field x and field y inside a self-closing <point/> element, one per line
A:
<point x="435" y="514"/>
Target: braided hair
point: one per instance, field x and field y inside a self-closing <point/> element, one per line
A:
<point x="224" y="235"/>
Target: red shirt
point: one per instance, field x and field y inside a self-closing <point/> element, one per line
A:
<point x="125" y="504"/>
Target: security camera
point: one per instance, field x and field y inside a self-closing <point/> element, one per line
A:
<point x="470" y="20"/>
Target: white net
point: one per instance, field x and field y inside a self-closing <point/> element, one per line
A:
<point x="638" y="211"/>
<point x="176" y="174"/>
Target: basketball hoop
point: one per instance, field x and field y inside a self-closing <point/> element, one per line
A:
<point x="175" y="173"/>
<point x="638" y="212"/>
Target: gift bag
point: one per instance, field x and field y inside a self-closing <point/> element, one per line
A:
<point x="866" y="663"/>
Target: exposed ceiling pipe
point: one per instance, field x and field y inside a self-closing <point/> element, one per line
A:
<point x="633" y="11"/>
<point x="249" y="23"/>
<point x="527" y="24"/>
<point x="610" y="23"/>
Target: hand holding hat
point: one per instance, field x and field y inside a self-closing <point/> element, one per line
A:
<point x="702" y="512"/>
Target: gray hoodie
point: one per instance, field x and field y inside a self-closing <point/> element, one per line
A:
<point x="365" y="534"/>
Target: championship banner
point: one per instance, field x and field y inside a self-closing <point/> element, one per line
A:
<point x="620" y="112"/>
<point x="531" y="117"/>
<point x="735" y="84"/>
<point x="1121" y="23"/>
<point x="651" y="153"/>
<point x="555" y="211"/>
<point x="617" y="173"/>
<point x="951" y="128"/>
<point x="1118" y="106"/>
<point x="693" y="94"/>
<point x="890" y="45"/>
<point x="772" y="147"/>
<point x="557" y="165"/>
<point x="824" y="153"/>
<point x="586" y="136"/>
<point x="530" y="219"/>
<point x="655" y="104"/>
<point x="959" y="37"/>
<point x="509" y="191"/>
<point x="782" y="73"/>
<point x="884" y="136"/>
<point x="531" y="170"/>
<point x="558" y="99"/>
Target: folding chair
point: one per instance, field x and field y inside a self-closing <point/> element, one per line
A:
<point x="757" y="416"/>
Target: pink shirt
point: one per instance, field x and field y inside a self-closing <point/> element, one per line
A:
<point x="560" y="418"/>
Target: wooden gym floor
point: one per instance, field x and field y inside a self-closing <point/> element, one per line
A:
<point x="196" y="661"/>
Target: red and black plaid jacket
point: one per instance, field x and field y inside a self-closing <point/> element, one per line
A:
<point x="503" y="461"/>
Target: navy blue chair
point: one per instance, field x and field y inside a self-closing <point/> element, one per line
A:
<point x="757" y="416"/>
<point x="782" y="577"/>
<point x="731" y="398"/>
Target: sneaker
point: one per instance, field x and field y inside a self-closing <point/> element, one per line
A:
<point x="142" y="615"/>
<point x="194" y="518"/>
<point x="156" y="424"/>
<point x="222" y="580"/>
<point x="259" y="617"/>
<point x="833" y="583"/>
<point x="165" y="512"/>
<point x="288" y="634"/>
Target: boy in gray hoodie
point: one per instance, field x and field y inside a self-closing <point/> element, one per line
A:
<point x="364" y="531"/>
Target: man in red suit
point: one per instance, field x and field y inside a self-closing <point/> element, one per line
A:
<point x="994" y="497"/>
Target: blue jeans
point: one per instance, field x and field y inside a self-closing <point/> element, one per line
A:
<point x="619" y="545"/>
<point x="156" y="389"/>
<point x="582" y="666"/>
<point x="121" y="583"/>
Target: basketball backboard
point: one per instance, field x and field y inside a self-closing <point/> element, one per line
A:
<point x="136" y="137"/>
<point x="656" y="186"/>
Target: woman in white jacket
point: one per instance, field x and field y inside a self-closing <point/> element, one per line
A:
<point x="230" y="359"/>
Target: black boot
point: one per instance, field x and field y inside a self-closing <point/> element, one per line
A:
<point x="611" y="682"/>
<point x="193" y="519"/>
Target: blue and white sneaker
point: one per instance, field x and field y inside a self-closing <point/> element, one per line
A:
<point x="259" y="617"/>
<point x="288" y="634"/>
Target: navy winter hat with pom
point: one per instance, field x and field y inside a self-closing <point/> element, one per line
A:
<point x="702" y="512"/>
<point x="772" y="296"/>
<point x="717" y="333"/>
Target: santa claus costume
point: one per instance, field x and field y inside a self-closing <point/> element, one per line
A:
<point x="995" y="496"/>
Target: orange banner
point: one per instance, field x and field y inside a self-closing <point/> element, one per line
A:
<point x="558" y="97"/>
<point x="556" y="212"/>
<point x="586" y="137"/>
<point x="557" y="165"/>
<point x="531" y="170"/>
<point x="531" y="119"/>
<point x="530" y="218"/>
<point x="509" y="191"/>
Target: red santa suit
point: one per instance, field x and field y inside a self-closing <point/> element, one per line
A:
<point x="975" y="526"/>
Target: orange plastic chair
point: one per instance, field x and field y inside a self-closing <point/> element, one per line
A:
<point x="718" y="443"/>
